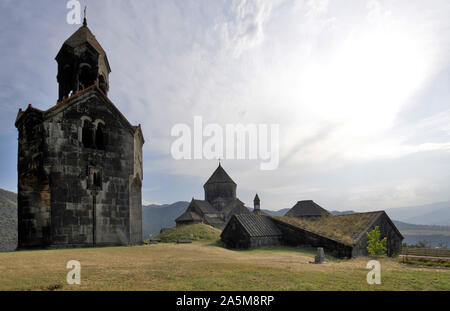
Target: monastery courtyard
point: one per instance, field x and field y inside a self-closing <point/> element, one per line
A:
<point x="207" y="266"/>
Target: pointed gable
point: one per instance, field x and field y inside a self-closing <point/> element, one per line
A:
<point x="307" y="208"/>
<point x="220" y="176"/>
<point x="82" y="36"/>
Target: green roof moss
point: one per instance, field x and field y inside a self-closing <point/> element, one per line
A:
<point x="346" y="229"/>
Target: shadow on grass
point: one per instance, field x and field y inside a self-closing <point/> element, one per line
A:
<point x="303" y="250"/>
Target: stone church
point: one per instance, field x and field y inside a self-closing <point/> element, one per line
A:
<point x="308" y="224"/>
<point x="219" y="205"/>
<point x="79" y="162"/>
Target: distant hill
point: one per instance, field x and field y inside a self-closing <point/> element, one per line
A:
<point x="342" y="213"/>
<point x="8" y="221"/>
<point x="156" y="217"/>
<point x="412" y="227"/>
<point x="281" y="212"/>
<point x="429" y="214"/>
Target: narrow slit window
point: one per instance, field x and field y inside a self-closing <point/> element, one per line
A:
<point x="100" y="137"/>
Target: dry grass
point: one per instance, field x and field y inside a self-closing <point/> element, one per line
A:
<point x="202" y="266"/>
<point x="195" y="232"/>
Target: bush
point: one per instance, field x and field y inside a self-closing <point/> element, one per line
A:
<point x="375" y="245"/>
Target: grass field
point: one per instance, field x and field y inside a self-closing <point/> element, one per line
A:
<point x="206" y="266"/>
<point x="194" y="232"/>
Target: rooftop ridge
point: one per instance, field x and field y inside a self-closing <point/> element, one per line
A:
<point x="219" y="176"/>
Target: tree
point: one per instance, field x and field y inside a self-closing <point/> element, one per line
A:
<point x="375" y="245"/>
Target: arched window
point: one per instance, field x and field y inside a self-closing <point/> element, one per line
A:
<point x="88" y="134"/>
<point x="97" y="180"/>
<point x="100" y="137"/>
<point x="66" y="85"/>
<point x="86" y="78"/>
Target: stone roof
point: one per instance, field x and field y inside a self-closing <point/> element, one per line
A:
<point x="84" y="35"/>
<point x="214" y="221"/>
<point x="204" y="206"/>
<point x="220" y="176"/>
<point x="306" y="208"/>
<point x="189" y="216"/>
<point x="235" y="207"/>
<point x="346" y="229"/>
<point x="257" y="225"/>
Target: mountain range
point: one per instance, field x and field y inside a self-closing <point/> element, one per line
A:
<point x="429" y="214"/>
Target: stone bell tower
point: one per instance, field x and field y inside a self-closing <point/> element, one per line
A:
<point x="79" y="162"/>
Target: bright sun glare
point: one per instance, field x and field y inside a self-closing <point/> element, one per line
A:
<point x="367" y="80"/>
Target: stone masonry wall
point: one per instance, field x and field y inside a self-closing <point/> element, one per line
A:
<point x="71" y="167"/>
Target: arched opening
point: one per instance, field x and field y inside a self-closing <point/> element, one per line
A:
<point x="97" y="180"/>
<point x="88" y="134"/>
<point x="86" y="78"/>
<point x="65" y="84"/>
<point x="100" y="137"/>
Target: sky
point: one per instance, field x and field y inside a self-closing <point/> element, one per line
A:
<point x="360" y="90"/>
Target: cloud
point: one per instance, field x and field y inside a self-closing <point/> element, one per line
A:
<point x="245" y="27"/>
<point x="337" y="78"/>
<point x="316" y="7"/>
<point x="144" y="202"/>
<point x="376" y="14"/>
<point x="437" y="122"/>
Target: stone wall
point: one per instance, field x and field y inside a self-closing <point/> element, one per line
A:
<point x="220" y="190"/>
<point x="90" y="189"/>
<point x="234" y="235"/>
<point x="33" y="183"/>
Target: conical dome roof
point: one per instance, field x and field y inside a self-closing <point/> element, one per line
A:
<point x="220" y="176"/>
<point x="256" y="199"/>
<point x="84" y="35"/>
<point x="307" y="208"/>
